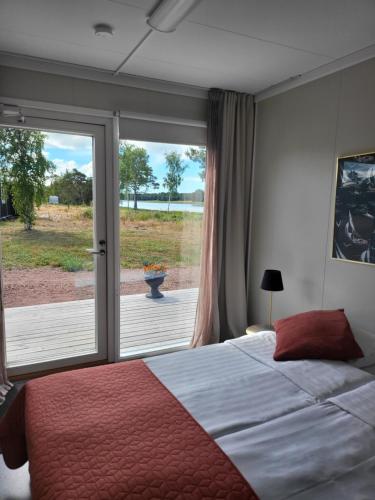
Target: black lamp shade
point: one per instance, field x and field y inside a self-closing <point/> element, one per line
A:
<point x="272" y="281"/>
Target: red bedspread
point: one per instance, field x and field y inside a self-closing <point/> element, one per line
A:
<point x="114" y="432"/>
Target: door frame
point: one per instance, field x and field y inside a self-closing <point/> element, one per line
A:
<point x="104" y="130"/>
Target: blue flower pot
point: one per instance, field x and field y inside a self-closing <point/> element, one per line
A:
<point x="154" y="284"/>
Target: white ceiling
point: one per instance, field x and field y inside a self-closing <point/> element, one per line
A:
<point x="246" y="45"/>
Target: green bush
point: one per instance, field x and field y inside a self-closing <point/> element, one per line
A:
<point x="71" y="264"/>
<point x="86" y="213"/>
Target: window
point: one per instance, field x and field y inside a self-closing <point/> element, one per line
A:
<point x="161" y="210"/>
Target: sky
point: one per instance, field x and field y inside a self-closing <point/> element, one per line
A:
<point x="75" y="151"/>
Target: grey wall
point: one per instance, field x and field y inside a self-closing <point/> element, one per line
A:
<point x="144" y="130"/>
<point x="299" y="134"/>
<point x="39" y="86"/>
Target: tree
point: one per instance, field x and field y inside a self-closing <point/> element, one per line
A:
<point x="198" y="155"/>
<point x="175" y="170"/>
<point x="198" y="196"/>
<point x="73" y="188"/>
<point x="135" y="172"/>
<point x="24" y="170"/>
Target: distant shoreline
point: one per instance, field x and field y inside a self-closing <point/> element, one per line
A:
<point x="164" y="206"/>
<point x="182" y="202"/>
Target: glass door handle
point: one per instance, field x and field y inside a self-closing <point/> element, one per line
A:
<point x="94" y="251"/>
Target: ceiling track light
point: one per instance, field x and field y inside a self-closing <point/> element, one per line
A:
<point x="164" y="19"/>
<point x="169" y="13"/>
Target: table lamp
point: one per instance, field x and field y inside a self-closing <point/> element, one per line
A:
<point x="272" y="282"/>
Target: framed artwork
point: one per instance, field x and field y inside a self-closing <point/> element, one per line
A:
<point x="354" y="224"/>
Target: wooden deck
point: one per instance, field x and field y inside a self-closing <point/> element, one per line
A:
<point x="53" y="331"/>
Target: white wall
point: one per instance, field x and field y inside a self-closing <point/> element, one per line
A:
<point x="299" y="135"/>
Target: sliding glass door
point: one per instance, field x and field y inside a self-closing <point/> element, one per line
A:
<point x="161" y="210"/>
<point x="53" y="234"/>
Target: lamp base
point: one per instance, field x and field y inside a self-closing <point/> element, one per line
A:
<point x="258" y="328"/>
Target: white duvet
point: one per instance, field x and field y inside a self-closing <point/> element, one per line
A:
<point x="299" y="429"/>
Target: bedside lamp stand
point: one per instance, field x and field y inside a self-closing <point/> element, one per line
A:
<point x="272" y="282"/>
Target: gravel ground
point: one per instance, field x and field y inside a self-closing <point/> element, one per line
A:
<point x="44" y="285"/>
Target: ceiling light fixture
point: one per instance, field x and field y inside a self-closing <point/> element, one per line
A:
<point x="169" y="13"/>
<point x="165" y="18"/>
<point x="103" y="30"/>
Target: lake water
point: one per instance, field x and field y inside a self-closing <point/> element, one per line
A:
<point x="163" y="207"/>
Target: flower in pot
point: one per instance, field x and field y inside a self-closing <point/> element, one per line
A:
<point x="154" y="275"/>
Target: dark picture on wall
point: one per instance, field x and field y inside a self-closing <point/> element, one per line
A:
<point x="354" y="225"/>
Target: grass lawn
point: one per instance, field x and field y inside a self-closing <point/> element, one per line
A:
<point x="61" y="235"/>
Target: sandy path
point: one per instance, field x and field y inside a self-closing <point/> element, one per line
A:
<point x="48" y="284"/>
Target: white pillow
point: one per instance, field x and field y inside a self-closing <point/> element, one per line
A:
<point x="366" y="341"/>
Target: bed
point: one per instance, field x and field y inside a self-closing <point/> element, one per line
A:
<point x="294" y="429"/>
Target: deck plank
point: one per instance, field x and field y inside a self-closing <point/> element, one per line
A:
<point x="66" y="329"/>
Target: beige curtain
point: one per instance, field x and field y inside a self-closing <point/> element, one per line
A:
<point x="5" y="385"/>
<point x="222" y="304"/>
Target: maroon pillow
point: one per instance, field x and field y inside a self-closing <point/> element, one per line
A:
<point x="315" y="335"/>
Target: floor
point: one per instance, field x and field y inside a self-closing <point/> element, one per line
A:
<point x="14" y="484"/>
<point x="66" y="329"/>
